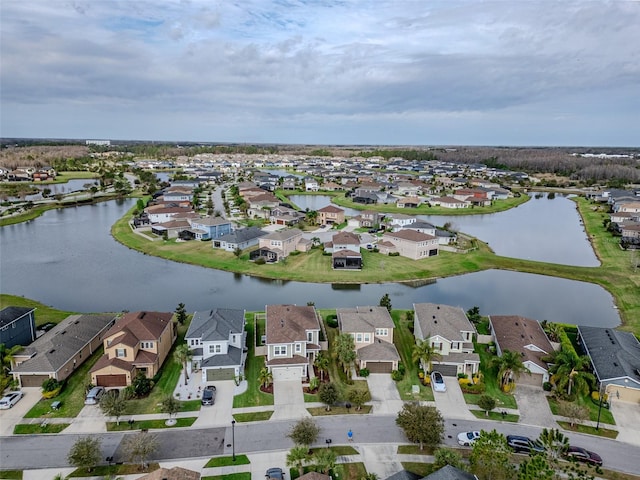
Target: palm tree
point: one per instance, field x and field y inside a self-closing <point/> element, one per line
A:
<point x="322" y="363"/>
<point x="325" y="459"/>
<point x="425" y="353"/>
<point x="6" y="356"/>
<point x="183" y="355"/>
<point x="510" y="367"/>
<point x="265" y="377"/>
<point x="570" y="370"/>
<point x="297" y="456"/>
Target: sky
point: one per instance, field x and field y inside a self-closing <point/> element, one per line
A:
<point x="326" y="72"/>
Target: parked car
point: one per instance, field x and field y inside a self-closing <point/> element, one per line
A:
<point x="583" y="455"/>
<point x="10" y="399"/>
<point x="466" y="439"/>
<point x="209" y="395"/>
<point x="437" y="382"/>
<point x="94" y="396"/>
<point x="275" y="474"/>
<point x="520" y="444"/>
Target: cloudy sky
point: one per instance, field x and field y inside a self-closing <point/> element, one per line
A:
<point x="395" y="72"/>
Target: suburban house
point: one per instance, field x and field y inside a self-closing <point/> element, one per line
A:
<point x="174" y="473"/>
<point x="17" y="326"/>
<point x="526" y="337"/>
<point x="413" y="244"/>
<point x="331" y="215"/>
<point x="448" y="202"/>
<point x="217" y="339"/>
<point x="311" y="184"/>
<point x="400" y="220"/>
<point x="260" y="206"/>
<point x="139" y="342"/>
<point x="372" y="332"/>
<point x="615" y="359"/>
<point x="292" y="340"/>
<point x="369" y="219"/>
<point x="448" y="329"/>
<point x="409" y="202"/>
<point x="241" y="238"/>
<point x="423" y="227"/>
<point x="178" y="194"/>
<point x="60" y="351"/>
<point x="161" y="213"/>
<point x="278" y="245"/>
<point x="281" y="215"/>
<point x="345" y="251"/>
<point x="210" y="227"/>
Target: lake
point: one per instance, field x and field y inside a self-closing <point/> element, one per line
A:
<point x="67" y="259"/>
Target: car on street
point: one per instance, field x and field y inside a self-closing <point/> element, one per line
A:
<point x="275" y="473"/>
<point x="437" y="382"/>
<point x="583" y="455"/>
<point x="209" y="395"/>
<point x="466" y="439"/>
<point x="10" y="399"/>
<point x="521" y="444"/>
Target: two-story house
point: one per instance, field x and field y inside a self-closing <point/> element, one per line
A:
<point x="372" y="332"/>
<point x="278" y="245"/>
<point x="17" y="326"/>
<point x="450" y="332"/>
<point x="208" y="228"/>
<point x="217" y="339"/>
<point x="345" y="251"/>
<point x="292" y="340"/>
<point x="138" y="342"/>
<point x="331" y="215"/>
<point x="412" y="243"/>
<point x="242" y="238"/>
<point x="311" y="184"/>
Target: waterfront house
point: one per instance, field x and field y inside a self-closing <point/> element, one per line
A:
<point x="242" y="238"/>
<point x="412" y="244"/>
<point x="208" y="228"/>
<point x="278" y="245"/>
<point x="331" y="215"/>
<point x="17" y="326"/>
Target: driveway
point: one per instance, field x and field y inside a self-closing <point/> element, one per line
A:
<point x="627" y="417"/>
<point x="89" y="420"/>
<point x="9" y="418"/>
<point x="385" y="398"/>
<point x="451" y="403"/>
<point x="219" y="413"/>
<point x="533" y="406"/>
<point x="288" y="400"/>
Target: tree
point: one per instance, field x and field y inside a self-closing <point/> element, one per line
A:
<point x="181" y="313"/>
<point x="345" y="350"/>
<point x="114" y="403"/>
<point x="170" y="405"/>
<point x="555" y="443"/>
<point x="305" y="432"/>
<point x="570" y="370"/>
<point x="139" y="447"/>
<point x="265" y="377"/>
<point x="358" y="397"/>
<point x="237" y="252"/>
<point x="329" y="394"/>
<point x="421" y="424"/>
<point x="141" y="385"/>
<point x="474" y="314"/>
<point x="183" y="355"/>
<point x="487" y="403"/>
<point x="385" y="301"/>
<point x="6" y="356"/>
<point x="574" y="412"/>
<point x="491" y="457"/>
<point x="85" y="453"/>
<point x="424" y="353"/>
<point x="297" y="457"/>
<point x="325" y="460"/>
<point x="510" y="367"/>
<point x="536" y="468"/>
<point x="322" y="363"/>
<point x="447" y="456"/>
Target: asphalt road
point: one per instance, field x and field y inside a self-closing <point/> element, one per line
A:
<point x="43" y="451"/>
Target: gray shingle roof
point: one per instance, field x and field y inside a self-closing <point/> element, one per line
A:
<point x="613" y="353"/>
<point x="378" y="350"/>
<point x="363" y="319"/>
<point x="242" y="235"/>
<point x="216" y="324"/>
<point x="9" y="314"/>
<point x="443" y="320"/>
<point x="231" y="359"/>
<point x="450" y="473"/>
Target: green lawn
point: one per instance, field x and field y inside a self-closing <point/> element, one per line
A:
<point x="253" y="416"/>
<point x="37" y="428"/>
<point x="149" y="424"/>
<point x="422" y="469"/>
<point x="496" y="416"/>
<point x="227" y="461"/>
<point x="414" y="449"/>
<point x="112" y="471"/>
<point x="44" y="314"/>
<point x="320" y="411"/>
<point x="602" y="432"/>
<point x="230" y="476"/>
<point x="605" y="414"/>
<point x="11" y="474"/>
<point x="340" y="450"/>
<point x="490" y="379"/>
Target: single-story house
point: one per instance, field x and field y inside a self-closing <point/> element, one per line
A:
<point x="241" y="238"/>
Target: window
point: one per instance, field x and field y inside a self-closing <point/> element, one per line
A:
<point x="121" y="353"/>
<point x="382" y="332"/>
<point x="309" y="336"/>
<point x="298" y="347"/>
<point x="455" y="345"/>
<point x="215" y="348"/>
<point x="280" y="350"/>
<point x="358" y="337"/>
<point x="367" y="337"/>
<point x="146" y="344"/>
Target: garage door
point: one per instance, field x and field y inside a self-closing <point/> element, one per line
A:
<point x="534" y="379"/>
<point x="32" y="380"/>
<point x="111" y="380"/>
<point x="446" y="370"/>
<point x="218" y="374"/>
<point x="287" y="373"/>
<point x="379" y="367"/>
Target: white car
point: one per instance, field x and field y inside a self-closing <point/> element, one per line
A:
<point x="10" y="399"/>
<point x="466" y="439"/>
<point x="437" y="382"/>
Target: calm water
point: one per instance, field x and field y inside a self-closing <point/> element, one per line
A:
<point x="67" y="259"/>
<point x="543" y="229"/>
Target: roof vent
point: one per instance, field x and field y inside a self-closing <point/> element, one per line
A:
<point x="435" y="321"/>
<point x="282" y="322"/>
<point x="52" y="350"/>
<point x="615" y="364"/>
<point x="434" y="317"/>
<point x="438" y="307"/>
<point x="516" y="323"/>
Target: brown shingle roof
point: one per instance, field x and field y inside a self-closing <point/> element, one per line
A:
<point x="331" y="209"/>
<point x="142" y="325"/>
<point x="410" y="235"/>
<point x="346" y="238"/>
<point x="289" y="323"/>
<point x="175" y="473"/>
<point x="522" y="335"/>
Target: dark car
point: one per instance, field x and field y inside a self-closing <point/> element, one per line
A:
<point x="209" y="395"/>
<point x="583" y="455"/>
<point x="275" y="474"/>
<point x="520" y="444"/>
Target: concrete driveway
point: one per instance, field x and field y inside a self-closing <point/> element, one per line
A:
<point x="89" y="420"/>
<point x="627" y="417"/>
<point x="288" y="400"/>
<point x="9" y="418"/>
<point x="451" y="403"/>
<point x="220" y="413"/>
<point x="385" y="397"/>
<point x="533" y="406"/>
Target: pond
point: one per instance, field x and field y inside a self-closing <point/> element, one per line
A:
<point x="67" y="259"/>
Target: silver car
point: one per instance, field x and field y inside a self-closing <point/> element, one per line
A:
<point x="10" y="399"/>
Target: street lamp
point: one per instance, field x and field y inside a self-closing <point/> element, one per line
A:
<point x="233" y="440"/>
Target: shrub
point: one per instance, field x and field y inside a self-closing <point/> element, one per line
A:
<point x="469" y="388"/>
<point x="260" y="261"/>
<point x="52" y="393"/>
<point x="51" y="384"/>
<point x="394" y="254"/>
<point x="464" y="381"/>
<point x="364" y="372"/>
<point x="595" y="398"/>
<point x="396" y="375"/>
<point x="401" y="368"/>
<point x="462" y="375"/>
<point x="546" y="386"/>
<point x="332" y="321"/>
